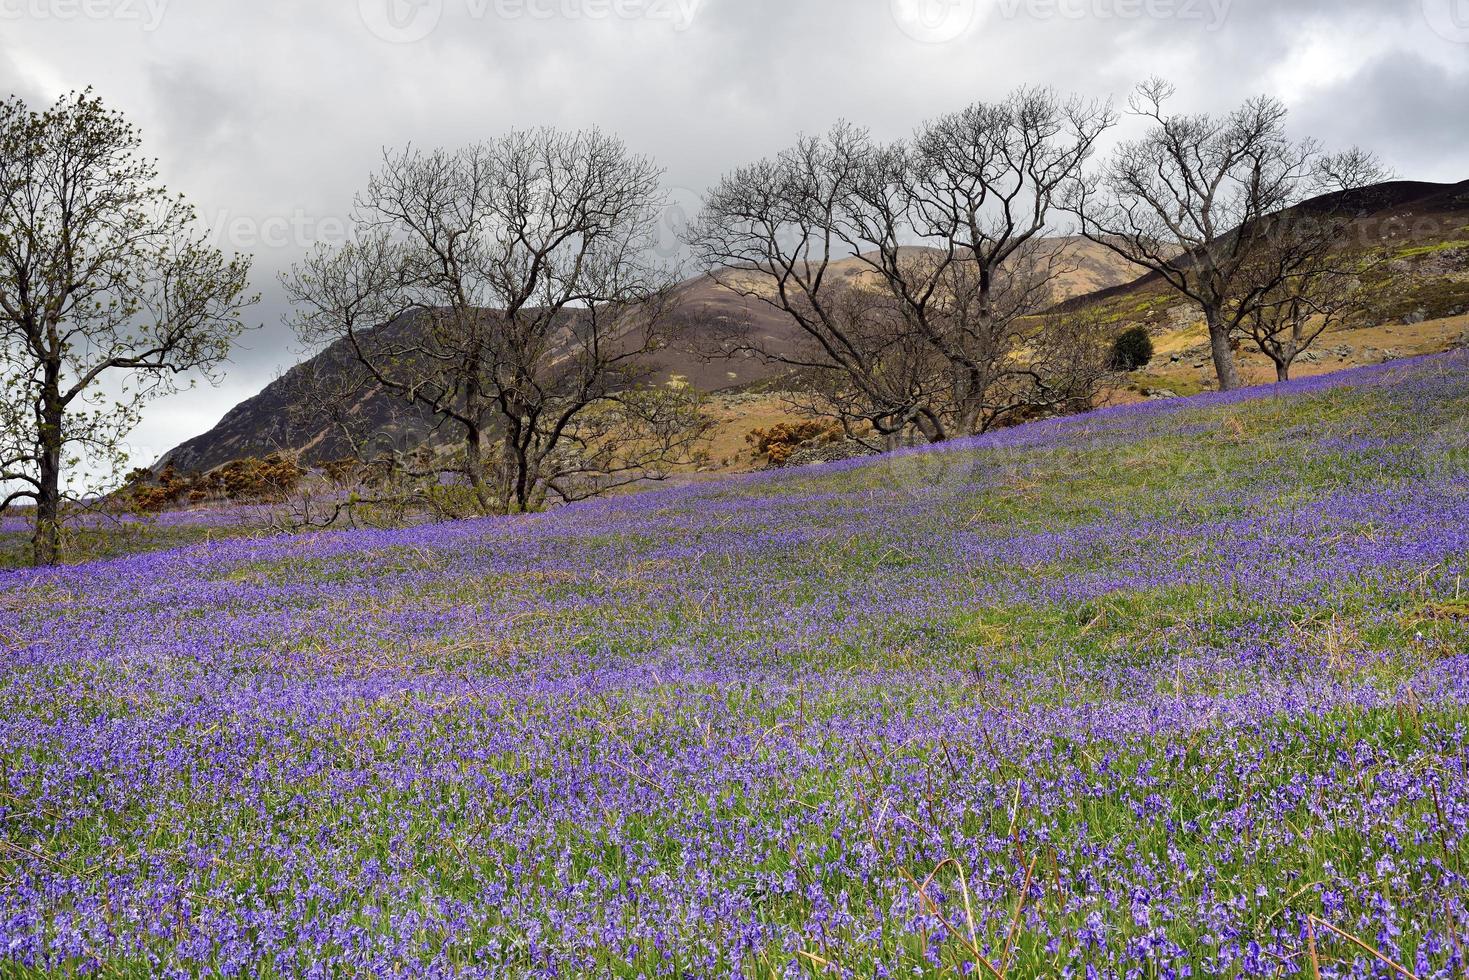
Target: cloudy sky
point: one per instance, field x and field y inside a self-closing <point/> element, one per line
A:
<point x="269" y="115"/>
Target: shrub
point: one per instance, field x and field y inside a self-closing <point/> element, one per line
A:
<point x="778" y="443"/>
<point x="271" y="478"/>
<point x="1133" y="349"/>
<point x="153" y="499"/>
<point x="149" y="494"/>
<point x="348" y="469"/>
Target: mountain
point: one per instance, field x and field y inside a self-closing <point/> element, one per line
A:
<point x="262" y="424"/>
<point x="265" y="422"/>
<point x="1411" y="219"/>
<point x="1420" y="304"/>
<point x="1418" y="293"/>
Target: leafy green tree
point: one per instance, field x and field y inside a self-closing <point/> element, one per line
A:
<point x="110" y="296"/>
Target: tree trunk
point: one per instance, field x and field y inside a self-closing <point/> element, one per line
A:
<point x="1223" y="350"/>
<point x="1282" y="371"/>
<point x="474" y="469"/>
<point x="46" y="542"/>
<point x="931" y="431"/>
<point x="524" y="486"/>
<point x="515" y="472"/>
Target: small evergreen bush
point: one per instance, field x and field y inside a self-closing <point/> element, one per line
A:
<point x="1132" y="350"/>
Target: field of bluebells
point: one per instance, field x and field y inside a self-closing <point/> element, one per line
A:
<point x="1179" y="689"/>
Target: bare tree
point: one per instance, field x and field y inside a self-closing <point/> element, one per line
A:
<point x="506" y="289"/>
<point x="949" y="230"/>
<point x="109" y="297"/>
<point x="899" y="393"/>
<point x="370" y="474"/>
<point x="1307" y="271"/>
<point x="1076" y="349"/>
<point x="770" y="232"/>
<point x="1285" y="324"/>
<point x="334" y="408"/>
<point x="976" y="189"/>
<point x="1189" y="201"/>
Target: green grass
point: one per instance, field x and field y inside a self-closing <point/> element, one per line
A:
<point x="81" y="545"/>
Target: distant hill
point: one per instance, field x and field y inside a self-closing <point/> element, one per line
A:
<point x="265" y="423"/>
<point x="1412" y="219"/>
<point x="262" y="424"/>
<point x="1419" y="296"/>
<point x="1420" y="305"/>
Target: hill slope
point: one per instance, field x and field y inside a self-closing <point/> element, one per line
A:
<point x="261" y="424"/>
<point x="1421" y="305"/>
<point x="1173" y="689"/>
<point x="1419" y="296"/>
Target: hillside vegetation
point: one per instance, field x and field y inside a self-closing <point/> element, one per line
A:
<point x="1174" y="689"/>
<point x="1411" y="242"/>
<point x="1411" y="237"/>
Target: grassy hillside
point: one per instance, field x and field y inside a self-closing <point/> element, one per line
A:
<point x="101" y="535"/>
<point x="1176" y="689"/>
<point x="1412" y="241"/>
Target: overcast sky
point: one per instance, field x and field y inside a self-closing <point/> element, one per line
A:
<point x="269" y="115"/>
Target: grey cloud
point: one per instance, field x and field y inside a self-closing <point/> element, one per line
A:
<point x="270" y="115"/>
<point x="1411" y="113"/>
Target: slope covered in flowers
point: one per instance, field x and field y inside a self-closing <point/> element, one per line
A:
<point x="1172" y="690"/>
